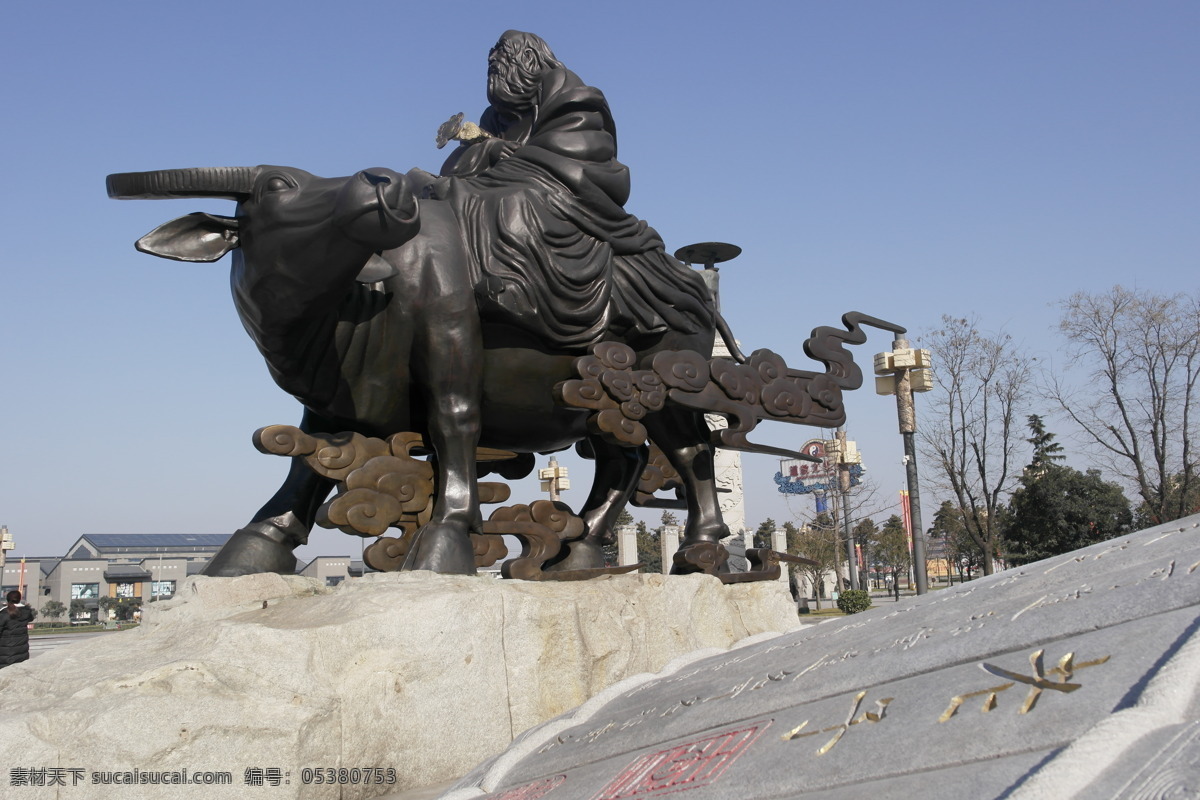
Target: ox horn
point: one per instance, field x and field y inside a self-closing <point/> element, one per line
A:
<point x="231" y="183"/>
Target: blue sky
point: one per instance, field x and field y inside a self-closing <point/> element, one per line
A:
<point x="907" y="160"/>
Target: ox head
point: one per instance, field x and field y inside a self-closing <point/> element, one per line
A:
<point x="293" y="224"/>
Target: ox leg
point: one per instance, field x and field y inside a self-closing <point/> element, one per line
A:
<point x="444" y="544"/>
<point x="683" y="437"/>
<point x="279" y="527"/>
<point x="618" y="470"/>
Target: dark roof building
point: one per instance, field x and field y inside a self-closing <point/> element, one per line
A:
<point x="133" y="547"/>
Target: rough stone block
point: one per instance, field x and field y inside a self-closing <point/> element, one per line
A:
<point x="420" y="673"/>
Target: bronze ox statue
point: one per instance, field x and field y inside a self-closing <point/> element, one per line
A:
<point x="510" y="303"/>
<point x="359" y="297"/>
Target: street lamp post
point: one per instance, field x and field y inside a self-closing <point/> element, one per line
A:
<point x="846" y="453"/>
<point x="6" y="544"/>
<point x="709" y="254"/>
<point x="903" y="371"/>
<point x="726" y="463"/>
<point x="554" y="479"/>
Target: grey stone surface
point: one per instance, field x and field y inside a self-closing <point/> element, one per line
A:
<point x="1078" y="676"/>
<point x="1163" y="763"/>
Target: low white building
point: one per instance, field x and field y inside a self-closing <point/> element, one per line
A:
<point x="145" y="566"/>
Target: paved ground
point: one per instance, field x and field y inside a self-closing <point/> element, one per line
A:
<point x="48" y="642"/>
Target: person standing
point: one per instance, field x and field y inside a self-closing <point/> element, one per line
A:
<point x="14" y="630"/>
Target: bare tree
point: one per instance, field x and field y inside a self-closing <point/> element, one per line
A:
<point x="819" y="542"/>
<point x="866" y="533"/>
<point x="861" y="502"/>
<point x="891" y="548"/>
<point x="971" y="429"/>
<point x="960" y="550"/>
<point x="1139" y="356"/>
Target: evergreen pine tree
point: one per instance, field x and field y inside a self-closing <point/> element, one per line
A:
<point x="1058" y="509"/>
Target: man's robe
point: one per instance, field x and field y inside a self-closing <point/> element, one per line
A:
<point x="542" y="212"/>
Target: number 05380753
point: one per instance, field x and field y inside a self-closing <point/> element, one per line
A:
<point x="351" y="775"/>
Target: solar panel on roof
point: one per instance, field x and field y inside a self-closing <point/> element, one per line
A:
<point x="150" y="540"/>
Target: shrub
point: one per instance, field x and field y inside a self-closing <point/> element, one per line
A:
<point x="853" y="601"/>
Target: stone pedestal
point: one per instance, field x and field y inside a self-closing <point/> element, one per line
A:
<point x="416" y="673"/>
<point x="732" y="500"/>
<point x="668" y="542"/>
<point x="779" y="545"/>
<point x="627" y="549"/>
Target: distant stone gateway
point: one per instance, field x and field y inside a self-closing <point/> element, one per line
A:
<point x="506" y="307"/>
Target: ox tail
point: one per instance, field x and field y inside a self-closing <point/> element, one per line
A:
<point x="727" y="337"/>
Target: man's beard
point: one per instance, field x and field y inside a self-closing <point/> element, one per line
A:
<point x="510" y="88"/>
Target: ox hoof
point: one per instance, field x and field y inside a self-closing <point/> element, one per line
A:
<point x="248" y="552"/>
<point x="579" y="554"/>
<point x="703" y="555"/>
<point x="441" y="548"/>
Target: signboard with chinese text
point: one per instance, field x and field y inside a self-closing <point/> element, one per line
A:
<point x="806" y="477"/>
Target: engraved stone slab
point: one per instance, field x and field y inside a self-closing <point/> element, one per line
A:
<point x="1075" y="676"/>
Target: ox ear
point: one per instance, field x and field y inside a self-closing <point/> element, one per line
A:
<point x="196" y="237"/>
